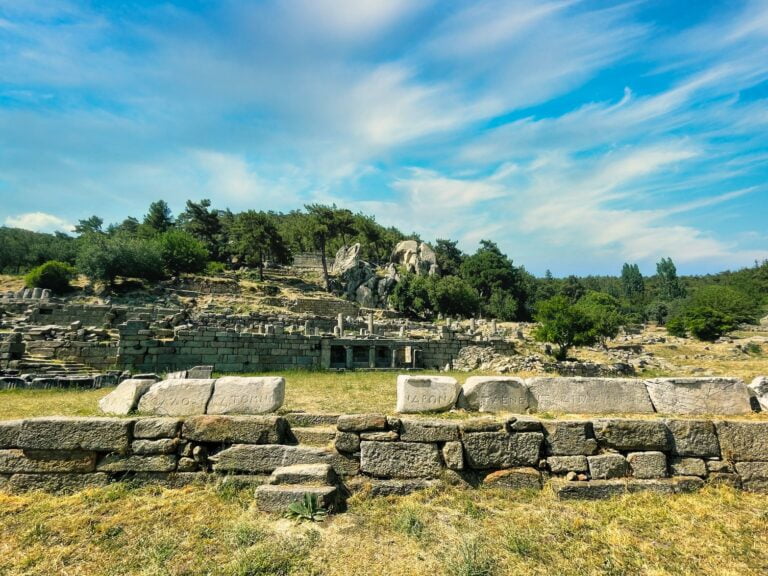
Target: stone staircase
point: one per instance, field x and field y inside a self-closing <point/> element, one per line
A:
<point x="290" y="484"/>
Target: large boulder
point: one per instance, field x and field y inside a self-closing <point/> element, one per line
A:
<point x="415" y="257"/>
<point x="699" y="395"/>
<point x="426" y="393"/>
<point x="347" y="258"/>
<point x="578" y="395"/>
<point x="177" y="397"/>
<point x="239" y="395"/>
<point x="494" y="394"/>
<point x="125" y="398"/>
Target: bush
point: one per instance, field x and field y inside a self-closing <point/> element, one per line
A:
<point x="53" y="274"/>
<point x="604" y="312"/>
<point x="702" y="322"/>
<point x="676" y="327"/>
<point x="565" y="324"/>
<point x="182" y="252"/>
<point x="103" y="258"/>
<point x="452" y="295"/>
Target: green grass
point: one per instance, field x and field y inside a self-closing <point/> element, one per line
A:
<point x="196" y="531"/>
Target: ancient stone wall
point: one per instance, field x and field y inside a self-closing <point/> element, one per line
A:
<point x="92" y="314"/>
<point x="585" y="458"/>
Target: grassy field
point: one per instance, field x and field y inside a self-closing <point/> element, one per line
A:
<point x="201" y="530"/>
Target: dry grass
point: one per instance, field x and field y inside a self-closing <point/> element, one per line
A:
<point x="207" y="530"/>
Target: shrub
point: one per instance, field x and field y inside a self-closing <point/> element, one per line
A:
<point x="706" y="323"/>
<point x="676" y="327"/>
<point x="565" y="324"/>
<point x="604" y="312"/>
<point x="53" y="274"/>
<point x="182" y="252"/>
<point x="105" y="258"/>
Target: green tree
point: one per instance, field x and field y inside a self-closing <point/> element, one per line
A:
<point x="730" y="301"/>
<point x="563" y="323"/>
<point x="205" y="225"/>
<point x="323" y="225"/>
<point x="632" y="283"/>
<point x="53" y="275"/>
<point x="104" y="258"/>
<point x="454" y="296"/>
<point x="412" y="295"/>
<point x="90" y="225"/>
<point x="449" y="257"/>
<point x="573" y="288"/>
<point x="254" y="239"/>
<point x="182" y="252"/>
<point x="669" y="285"/>
<point x="604" y="313"/>
<point x="159" y="217"/>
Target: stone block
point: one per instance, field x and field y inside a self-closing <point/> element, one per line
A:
<point x="758" y="388"/>
<point x="177" y="397"/>
<point x="607" y="466"/>
<point x="46" y="462"/>
<point x="523" y="425"/>
<point x="277" y="497"/>
<point x="577" y="395"/>
<point x="743" y="441"/>
<point x="161" y="446"/>
<point x="688" y="467"/>
<point x="699" y="395"/>
<point x="631" y="435"/>
<point x="9" y="433"/>
<point x="426" y="393"/>
<point x="568" y="438"/>
<point x="318" y="474"/>
<point x="515" y="478"/>
<point x="236" y="429"/>
<point x="304" y="419"/>
<point x="655" y="485"/>
<point x="393" y="487"/>
<point x="125" y="398"/>
<point x="488" y="424"/>
<point x="565" y="464"/>
<point x="347" y="442"/>
<point x="647" y="465"/>
<point x="685" y="484"/>
<point x="428" y="431"/>
<point x="57" y="483"/>
<point x="314" y="436"/>
<point x="88" y="434"/>
<point x="400" y="459"/>
<point x="361" y="422"/>
<point x="453" y="455"/>
<point x="754" y="475"/>
<point x="118" y="463"/>
<point x="593" y="490"/>
<point x="260" y="459"/>
<point x="725" y="479"/>
<point x="693" y="438"/>
<point x="494" y="394"/>
<point x="483" y="450"/>
<point x="253" y="395"/>
<point x="154" y="428"/>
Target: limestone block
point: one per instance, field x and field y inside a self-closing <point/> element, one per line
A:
<point x="177" y="397"/>
<point x="259" y="459"/>
<point x="161" y="446"/>
<point x="699" y="395"/>
<point x="304" y="474"/>
<point x="494" y="394"/>
<point x="606" y="466"/>
<point x="347" y="442"/>
<point x="46" y="462"/>
<point x="515" y="478"/>
<point x="647" y="465"/>
<point x="754" y="475"/>
<point x="693" y="438"/>
<point x="58" y="483"/>
<point x="118" y="463"/>
<point x="236" y="429"/>
<point x="743" y="441"/>
<point x="688" y="467"/>
<point x="593" y="490"/>
<point x="277" y="498"/>
<point x="621" y="434"/>
<point x="428" y="431"/>
<point x="426" y="393"/>
<point x="154" y="428"/>
<point x="238" y="395"/>
<point x="453" y="455"/>
<point x="124" y="399"/>
<point x="361" y="422"/>
<point x="484" y="450"/>
<point x="759" y="389"/>
<point x="565" y="438"/>
<point x="565" y="464"/>
<point x="9" y="433"/>
<point x="578" y="395"/>
<point x="400" y="459"/>
<point x="63" y="433"/>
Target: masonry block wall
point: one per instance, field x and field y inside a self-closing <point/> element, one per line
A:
<point x="590" y="458"/>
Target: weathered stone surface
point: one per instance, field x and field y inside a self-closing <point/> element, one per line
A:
<point x="124" y="399"/>
<point x="177" y="397"/>
<point x="319" y="474"/>
<point x="58" y="483"/>
<point x="484" y="450"/>
<point x="453" y="455"/>
<point x="759" y="389"/>
<point x="719" y="466"/>
<point x="699" y="395"/>
<point x="687" y="484"/>
<point x="523" y="425"/>
<point x="156" y="463"/>
<point x="693" y="438"/>
<point x="494" y="394"/>
<point x="515" y="478"/>
<point x="277" y="497"/>
<point x="743" y="441"/>
<point x="361" y="422"/>
<point x="481" y="425"/>
<point x="647" y="465"/>
<point x="252" y="395"/>
<point x="381" y="436"/>
<point x="347" y="442"/>
<point x="187" y="465"/>
<point x="565" y="464"/>
<point x="593" y="490"/>
<point x="426" y="393"/>
<point x="314" y="436"/>
<point x="754" y="475"/>
<point x="161" y="446"/>
<point x="400" y="459"/>
<point x="606" y="466"/>
<point x="428" y="431"/>
<point x="655" y="485"/>
<point x="50" y="462"/>
<point x="261" y="459"/>
<point x="4" y="478"/>
<point x="392" y="487"/>
<point x="568" y="438"/>
<point x="620" y="434"/>
<point x="311" y="419"/>
<point x="236" y="429"/>
<point x="577" y="395"/>
<point x="9" y="433"/>
<point x="154" y="428"/>
<point x="688" y="467"/>
<point x="725" y="479"/>
<point x="60" y="433"/>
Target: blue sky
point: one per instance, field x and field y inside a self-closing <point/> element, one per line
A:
<point x="578" y="135"/>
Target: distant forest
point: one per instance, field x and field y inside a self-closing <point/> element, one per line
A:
<point x="204" y="239"/>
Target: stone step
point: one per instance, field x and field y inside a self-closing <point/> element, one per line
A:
<point x="277" y="498"/>
<point x="316" y="474"/>
<point x="315" y="435"/>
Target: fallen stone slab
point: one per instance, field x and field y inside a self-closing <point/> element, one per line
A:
<point x="400" y="459"/>
<point x="278" y="497"/>
<point x="579" y="395"/>
<point x="484" y="450"/>
<point x="743" y="441"/>
<point x="699" y="395"/>
<point x="64" y="433"/>
<point x="125" y="398"/>
<point x="252" y="395"/>
<point x="236" y="429"/>
<point x="426" y="393"/>
<point x="494" y="394"/>
<point x="177" y="397"/>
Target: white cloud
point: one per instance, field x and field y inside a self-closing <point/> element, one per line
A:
<point x="39" y="222"/>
